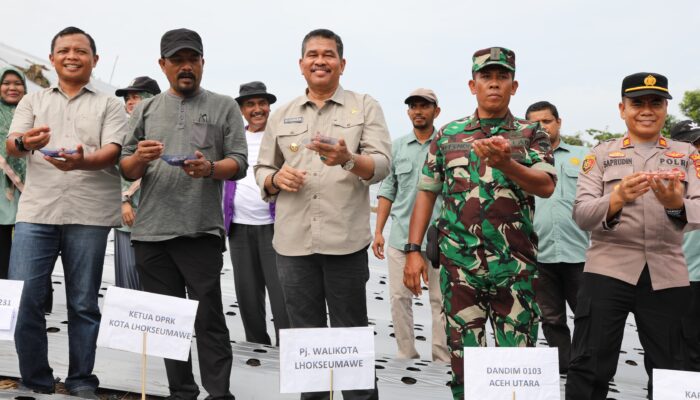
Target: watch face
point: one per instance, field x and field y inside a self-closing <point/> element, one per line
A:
<point x="350" y="164"/>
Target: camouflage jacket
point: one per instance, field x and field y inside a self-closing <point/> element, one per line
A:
<point x="486" y="217"/>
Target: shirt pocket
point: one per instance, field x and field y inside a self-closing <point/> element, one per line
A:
<point x="88" y="131"/>
<point x="457" y="176"/>
<point x="350" y="128"/>
<point x="289" y="141"/>
<point x="204" y="135"/>
<point x="568" y="182"/>
<point x="613" y="176"/>
<point x="404" y="178"/>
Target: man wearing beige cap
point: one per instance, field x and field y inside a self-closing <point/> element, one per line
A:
<point x="396" y="197"/>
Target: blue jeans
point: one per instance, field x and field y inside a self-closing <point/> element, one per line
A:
<point x="34" y="252"/>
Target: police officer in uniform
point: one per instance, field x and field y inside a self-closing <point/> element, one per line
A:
<point x="487" y="167"/>
<point x="636" y="195"/>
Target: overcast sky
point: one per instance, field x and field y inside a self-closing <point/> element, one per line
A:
<point x="572" y="53"/>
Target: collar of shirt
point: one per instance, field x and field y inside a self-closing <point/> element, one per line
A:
<point x="198" y="93"/>
<point x="475" y="122"/>
<point x="563" y="146"/>
<point x="412" y="137"/>
<point x="338" y="97"/>
<point x="88" y="87"/>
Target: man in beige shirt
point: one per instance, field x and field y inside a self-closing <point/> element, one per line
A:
<point x="71" y="136"/>
<point x="636" y="194"/>
<point x="318" y="157"/>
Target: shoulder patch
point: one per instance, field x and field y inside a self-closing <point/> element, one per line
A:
<point x="588" y="163"/>
<point x="695" y="157"/>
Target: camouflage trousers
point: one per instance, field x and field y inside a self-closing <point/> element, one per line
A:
<point x="472" y="297"/>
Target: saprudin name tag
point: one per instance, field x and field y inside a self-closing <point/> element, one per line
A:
<point x="10" y="295"/>
<point x="308" y="358"/>
<point x="669" y="384"/>
<point x="167" y="322"/>
<point x="517" y="373"/>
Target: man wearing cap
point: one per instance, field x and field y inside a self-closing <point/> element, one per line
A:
<point x="69" y="204"/>
<point x="689" y="131"/>
<point x="249" y="223"/>
<point x="125" y="274"/>
<point x="487" y="167"/>
<point x="562" y="244"/>
<point x="319" y="155"/>
<point x="396" y="197"/>
<point x="179" y="234"/>
<point x="636" y="195"/>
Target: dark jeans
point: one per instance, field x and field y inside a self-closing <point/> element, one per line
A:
<point x="192" y="267"/>
<point x="603" y="306"/>
<point x="314" y="281"/>
<point x="255" y="268"/>
<point x="34" y="252"/>
<point x="557" y="286"/>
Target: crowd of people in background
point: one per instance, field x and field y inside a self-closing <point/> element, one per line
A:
<point x="496" y="215"/>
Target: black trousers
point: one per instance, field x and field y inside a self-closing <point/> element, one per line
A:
<point x="192" y="267"/>
<point x="603" y="306"/>
<point x="255" y="269"/>
<point x="691" y="329"/>
<point x="314" y="281"/>
<point x="558" y="285"/>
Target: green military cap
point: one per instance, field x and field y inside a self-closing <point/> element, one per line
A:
<point x="643" y="83"/>
<point x="493" y="56"/>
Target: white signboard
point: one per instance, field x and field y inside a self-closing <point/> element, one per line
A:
<point x="167" y="321"/>
<point x="10" y="295"/>
<point x="670" y="384"/>
<point x="513" y="373"/>
<point x="308" y="355"/>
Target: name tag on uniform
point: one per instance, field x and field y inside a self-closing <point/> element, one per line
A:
<point x="294" y="120"/>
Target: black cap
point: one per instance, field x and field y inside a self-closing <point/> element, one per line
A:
<point x="178" y="39"/>
<point x="644" y="83"/>
<point x="140" y="84"/>
<point x="686" y="131"/>
<point x="254" y="89"/>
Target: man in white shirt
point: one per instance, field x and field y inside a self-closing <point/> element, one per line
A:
<point x="249" y="223"/>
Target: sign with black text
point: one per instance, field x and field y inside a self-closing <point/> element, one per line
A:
<point x="517" y="373"/>
<point x="167" y="322"/>
<point x="10" y="296"/>
<point x="310" y="356"/>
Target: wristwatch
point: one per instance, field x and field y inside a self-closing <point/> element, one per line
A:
<point x="19" y="143"/>
<point x="349" y="164"/>
<point x="410" y="247"/>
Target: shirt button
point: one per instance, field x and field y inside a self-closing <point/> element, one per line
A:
<point x="315" y="173"/>
<point x="315" y="196"/>
<point x="314" y="218"/>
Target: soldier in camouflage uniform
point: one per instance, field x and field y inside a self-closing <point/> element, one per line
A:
<point x="487" y="167"/>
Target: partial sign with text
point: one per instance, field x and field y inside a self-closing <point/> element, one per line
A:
<point x="10" y="296"/>
<point x="669" y="384"/>
<point x="518" y="373"/>
<point x="167" y="321"/>
<point x="307" y="357"/>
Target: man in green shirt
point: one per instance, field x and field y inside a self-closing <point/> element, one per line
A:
<point x="396" y="197"/>
<point x="562" y="244"/>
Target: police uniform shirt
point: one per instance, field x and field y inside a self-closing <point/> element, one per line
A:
<point x="642" y="233"/>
